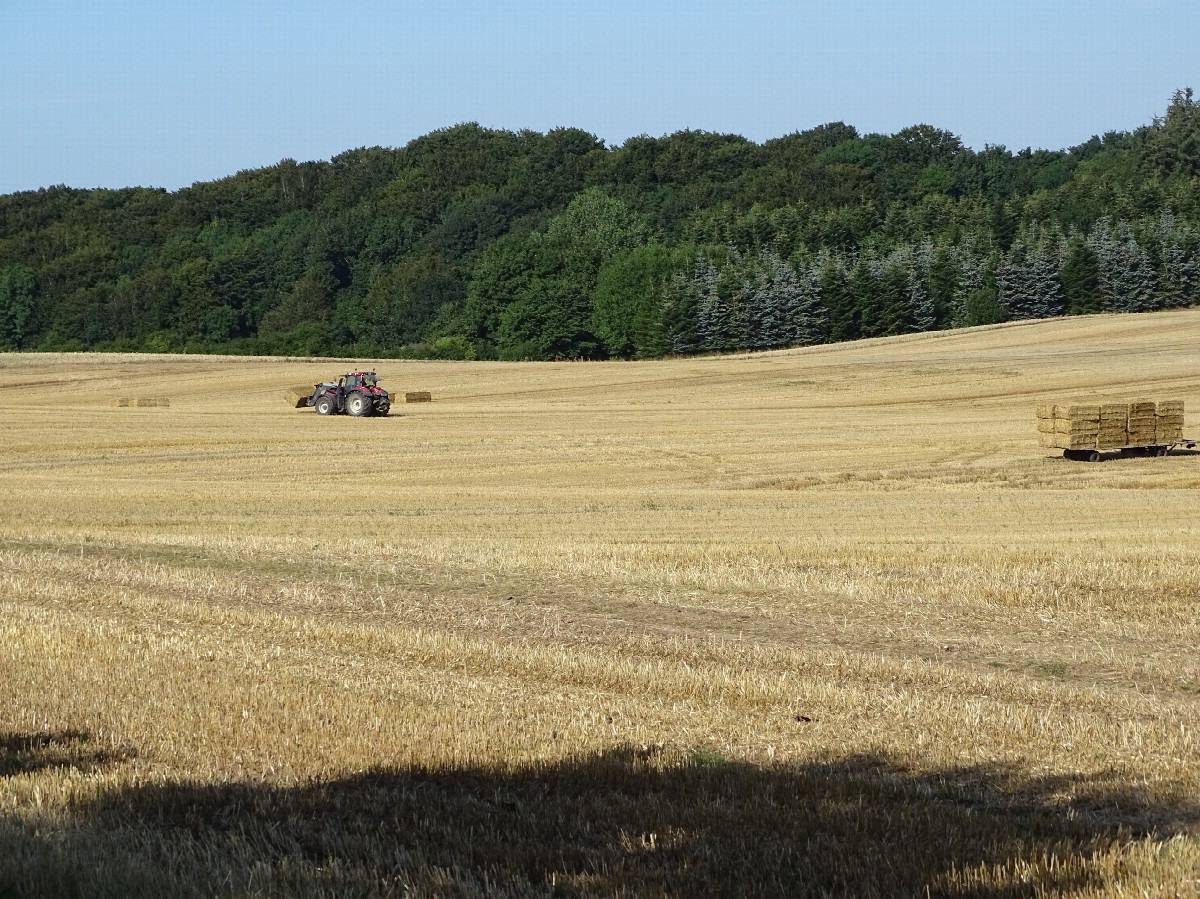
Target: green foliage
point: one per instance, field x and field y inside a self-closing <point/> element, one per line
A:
<point x="474" y="241"/>
<point x="983" y="306"/>
<point x="16" y="305"/>
<point x="628" y="305"/>
<point x="1080" y="278"/>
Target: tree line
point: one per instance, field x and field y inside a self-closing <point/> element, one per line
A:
<point x="477" y="243"/>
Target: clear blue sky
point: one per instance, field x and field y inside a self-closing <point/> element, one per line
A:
<point x="111" y="93"/>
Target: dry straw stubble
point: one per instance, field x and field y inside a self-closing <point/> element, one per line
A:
<point x="627" y="628"/>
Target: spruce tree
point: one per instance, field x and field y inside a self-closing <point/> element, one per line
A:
<point x="921" y="311"/>
<point x="1028" y="284"/>
<point x="776" y="288"/>
<point x="1079" y="274"/>
<point x="970" y="265"/>
<point x="682" y="304"/>
<point x="1127" y="279"/>
<point x="893" y="279"/>
<point x="1179" y="263"/>
<point x="864" y="285"/>
<point x="839" y="300"/>
<point x="942" y="278"/>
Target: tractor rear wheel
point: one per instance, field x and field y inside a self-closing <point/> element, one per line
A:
<point x="358" y="404"/>
<point x="324" y="405"/>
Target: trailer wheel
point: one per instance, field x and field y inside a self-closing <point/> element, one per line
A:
<point x="1092" y="456"/>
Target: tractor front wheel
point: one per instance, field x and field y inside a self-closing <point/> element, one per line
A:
<point x="324" y="405"/>
<point x="358" y="404"/>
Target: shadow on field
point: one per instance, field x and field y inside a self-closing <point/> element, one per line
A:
<point x="62" y="750"/>
<point x="625" y="822"/>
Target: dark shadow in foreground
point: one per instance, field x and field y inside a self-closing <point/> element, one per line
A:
<point x="626" y="822"/>
<point x="63" y="750"/>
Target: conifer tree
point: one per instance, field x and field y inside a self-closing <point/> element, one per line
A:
<point x="1028" y="281"/>
<point x="839" y="300"/>
<point x="970" y="265"/>
<point x="1127" y="279"/>
<point x="1079" y="274"/>
<point x="681" y="306"/>
<point x="943" y="279"/>
<point x="921" y="311"/>
<point x="1179" y="262"/>
<point x="864" y="285"/>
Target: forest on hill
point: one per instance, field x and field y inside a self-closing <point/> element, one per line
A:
<point x="477" y="243"/>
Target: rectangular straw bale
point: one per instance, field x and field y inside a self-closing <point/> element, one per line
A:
<point x="1168" y="431"/>
<point x="1069" y="426"/>
<point x="140" y="402"/>
<point x="1169" y="407"/>
<point x="1051" y="441"/>
<point x="418" y="396"/>
<point x="1141" y="407"/>
<point x="1078" y="411"/>
<point x="1045" y="425"/>
<point x="1114" y="412"/>
<point x="1045" y="410"/>
<point x="298" y="396"/>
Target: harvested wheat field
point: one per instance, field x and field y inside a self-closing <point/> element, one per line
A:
<point x="826" y="621"/>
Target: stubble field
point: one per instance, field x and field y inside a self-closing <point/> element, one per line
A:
<point x="816" y="622"/>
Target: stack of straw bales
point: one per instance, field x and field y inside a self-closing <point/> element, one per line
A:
<point x="1168" y="421"/>
<point x="1069" y="427"/>
<point x="1114" y="419"/>
<point x="298" y="396"/>
<point x="1099" y="425"/>
<point x="1141" y="423"/>
<point x="140" y="402"/>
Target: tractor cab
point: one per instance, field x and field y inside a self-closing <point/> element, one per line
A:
<point x="356" y="379"/>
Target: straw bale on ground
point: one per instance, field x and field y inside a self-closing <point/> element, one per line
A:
<point x="418" y="396"/>
<point x="298" y="396"/>
<point x="140" y="402"/>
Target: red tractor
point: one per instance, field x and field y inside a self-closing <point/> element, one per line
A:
<point x="357" y="393"/>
